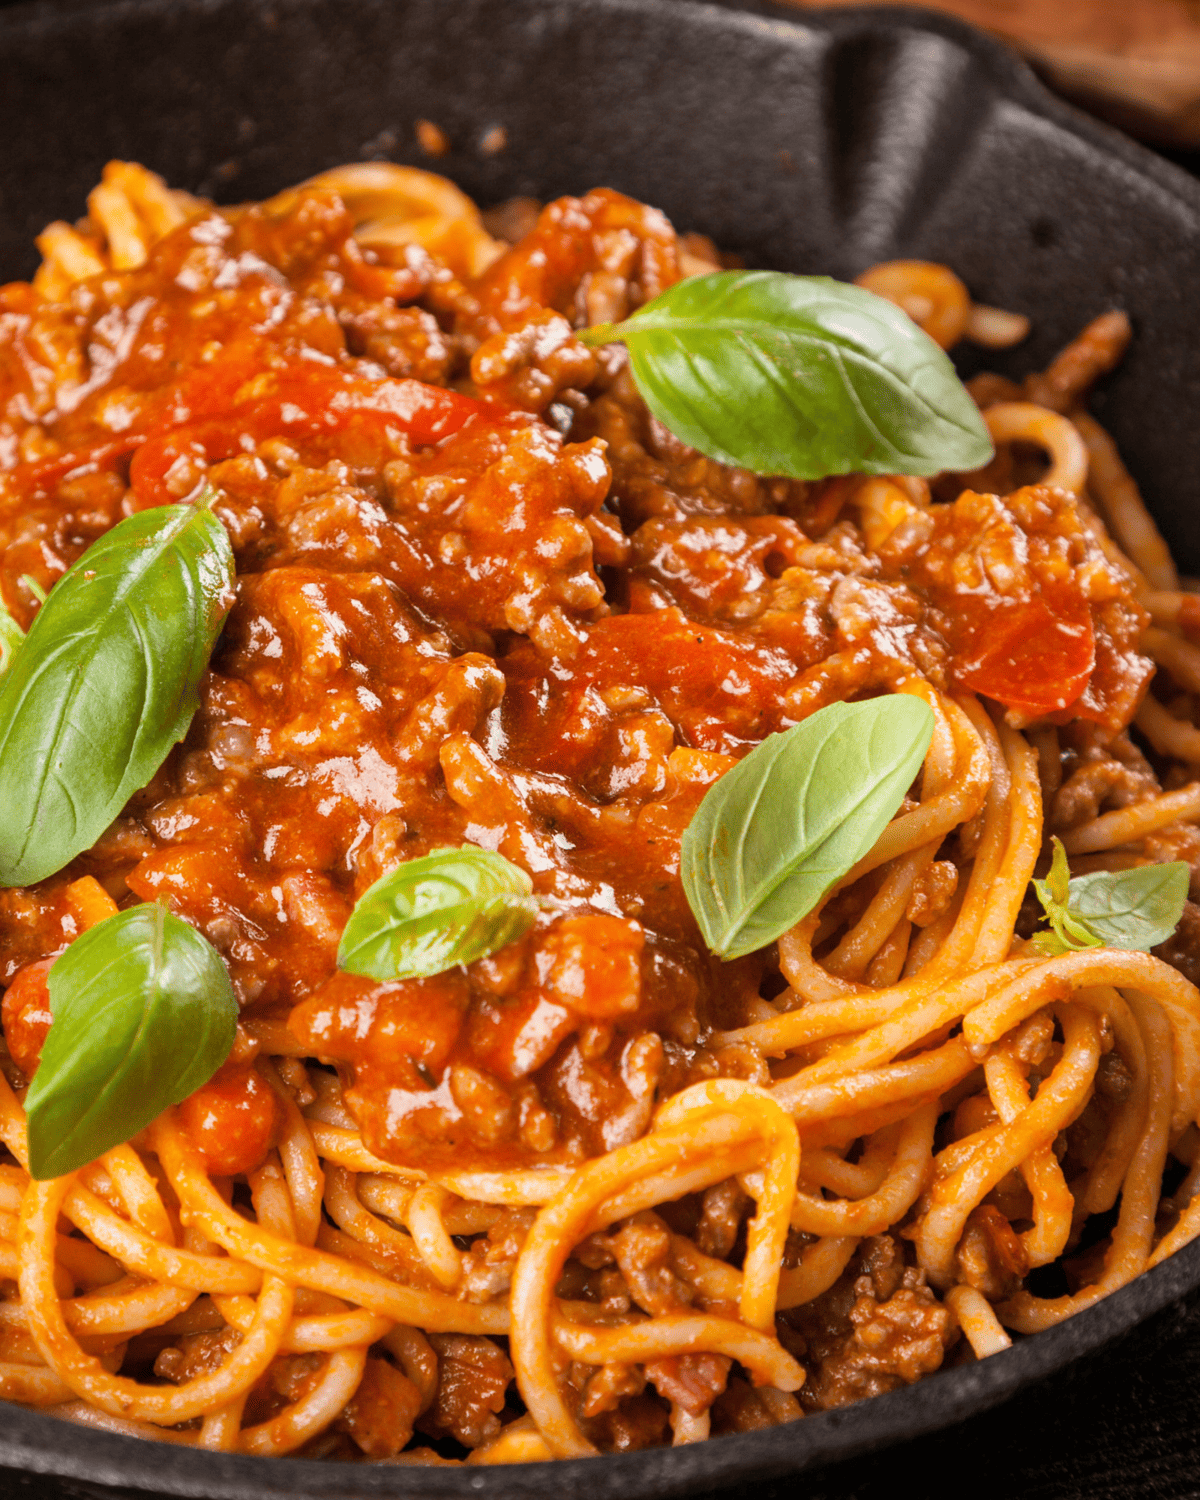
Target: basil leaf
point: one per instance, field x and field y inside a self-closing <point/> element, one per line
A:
<point x="799" y="375"/>
<point x="1068" y="934"/>
<point x="1137" y="908"/>
<point x="1055" y="890"/>
<point x="429" y="914"/>
<point x="144" y="1013"/>
<point x="1065" y="935"/>
<point x="788" y="821"/>
<point x="106" y="682"/>
<point x="1133" y="909"/>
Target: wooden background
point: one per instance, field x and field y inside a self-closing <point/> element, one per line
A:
<point x="1137" y="62"/>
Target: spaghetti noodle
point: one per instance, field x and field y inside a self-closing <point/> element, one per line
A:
<point x="598" y="1191"/>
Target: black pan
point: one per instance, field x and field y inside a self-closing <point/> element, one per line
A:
<point x="817" y="144"/>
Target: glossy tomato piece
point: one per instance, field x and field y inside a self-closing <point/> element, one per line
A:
<point x="26" y="1014"/>
<point x="232" y="1120"/>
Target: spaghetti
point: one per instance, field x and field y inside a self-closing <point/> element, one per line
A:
<point x="598" y="1191"/>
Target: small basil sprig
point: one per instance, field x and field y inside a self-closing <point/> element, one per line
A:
<point x="144" y="1013"/>
<point x="798" y="375"/>
<point x="1135" y="909"/>
<point x="429" y="914"/>
<point x="788" y="821"/>
<point x="106" y="682"/>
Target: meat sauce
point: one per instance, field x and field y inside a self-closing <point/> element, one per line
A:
<point x="483" y="597"/>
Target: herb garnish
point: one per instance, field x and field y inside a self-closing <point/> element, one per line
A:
<point x="429" y="914"/>
<point x="798" y="375"/>
<point x="144" y="1014"/>
<point x="1135" y="909"/>
<point x="106" y="682"/>
<point x="788" y="821"/>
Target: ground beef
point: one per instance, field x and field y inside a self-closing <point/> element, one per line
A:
<point x="488" y="1265"/>
<point x="742" y="1407"/>
<point x="1100" y="774"/>
<point x="604" y="1389"/>
<point x="288" y="1379"/>
<point x="692" y="1381"/>
<point x="473" y="1377"/>
<point x="195" y="1355"/>
<point x="381" y="1414"/>
<point x="642" y="1247"/>
<point x="990" y="1255"/>
<point x="637" y="1422"/>
<point x="877" y="1328"/>
<point x="724" y="1207"/>
<point x="1182" y="948"/>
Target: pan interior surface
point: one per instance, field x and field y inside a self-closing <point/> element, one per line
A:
<point x="820" y="145"/>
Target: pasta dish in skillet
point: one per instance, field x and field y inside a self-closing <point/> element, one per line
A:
<point x="441" y="1068"/>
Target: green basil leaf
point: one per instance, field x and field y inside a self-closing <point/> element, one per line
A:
<point x="1068" y="933"/>
<point x="106" y="682"/>
<point x="1075" y="932"/>
<point x="429" y="914"/>
<point x="144" y="1013"/>
<point x="1056" y="889"/>
<point x="799" y="375"/>
<point x="1049" y="942"/>
<point x="1137" y="908"/>
<point x="788" y="821"/>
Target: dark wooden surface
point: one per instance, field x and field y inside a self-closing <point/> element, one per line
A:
<point x="1123" y="1426"/>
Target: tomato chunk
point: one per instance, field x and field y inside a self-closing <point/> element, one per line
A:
<point x="232" y="1120"/>
<point x="302" y="400"/>
<point x="1032" y="612"/>
<point x="1036" y="655"/>
<point x="235" y="403"/>
<point x="26" y="1014"/>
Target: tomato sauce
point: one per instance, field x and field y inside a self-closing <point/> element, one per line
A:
<point x="482" y="598"/>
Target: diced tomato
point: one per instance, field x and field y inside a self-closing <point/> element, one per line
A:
<point x="26" y="1014"/>
<point x="232" y="1120"/>
<point x="1034" y="655"/>
<point x="241" y="399"/>
<point x="42" y="476"/>
<point x="1027" y="604"/>
<point x="303" y="400"/>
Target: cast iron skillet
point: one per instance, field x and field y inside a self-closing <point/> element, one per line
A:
<point x="820" y="144"/>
